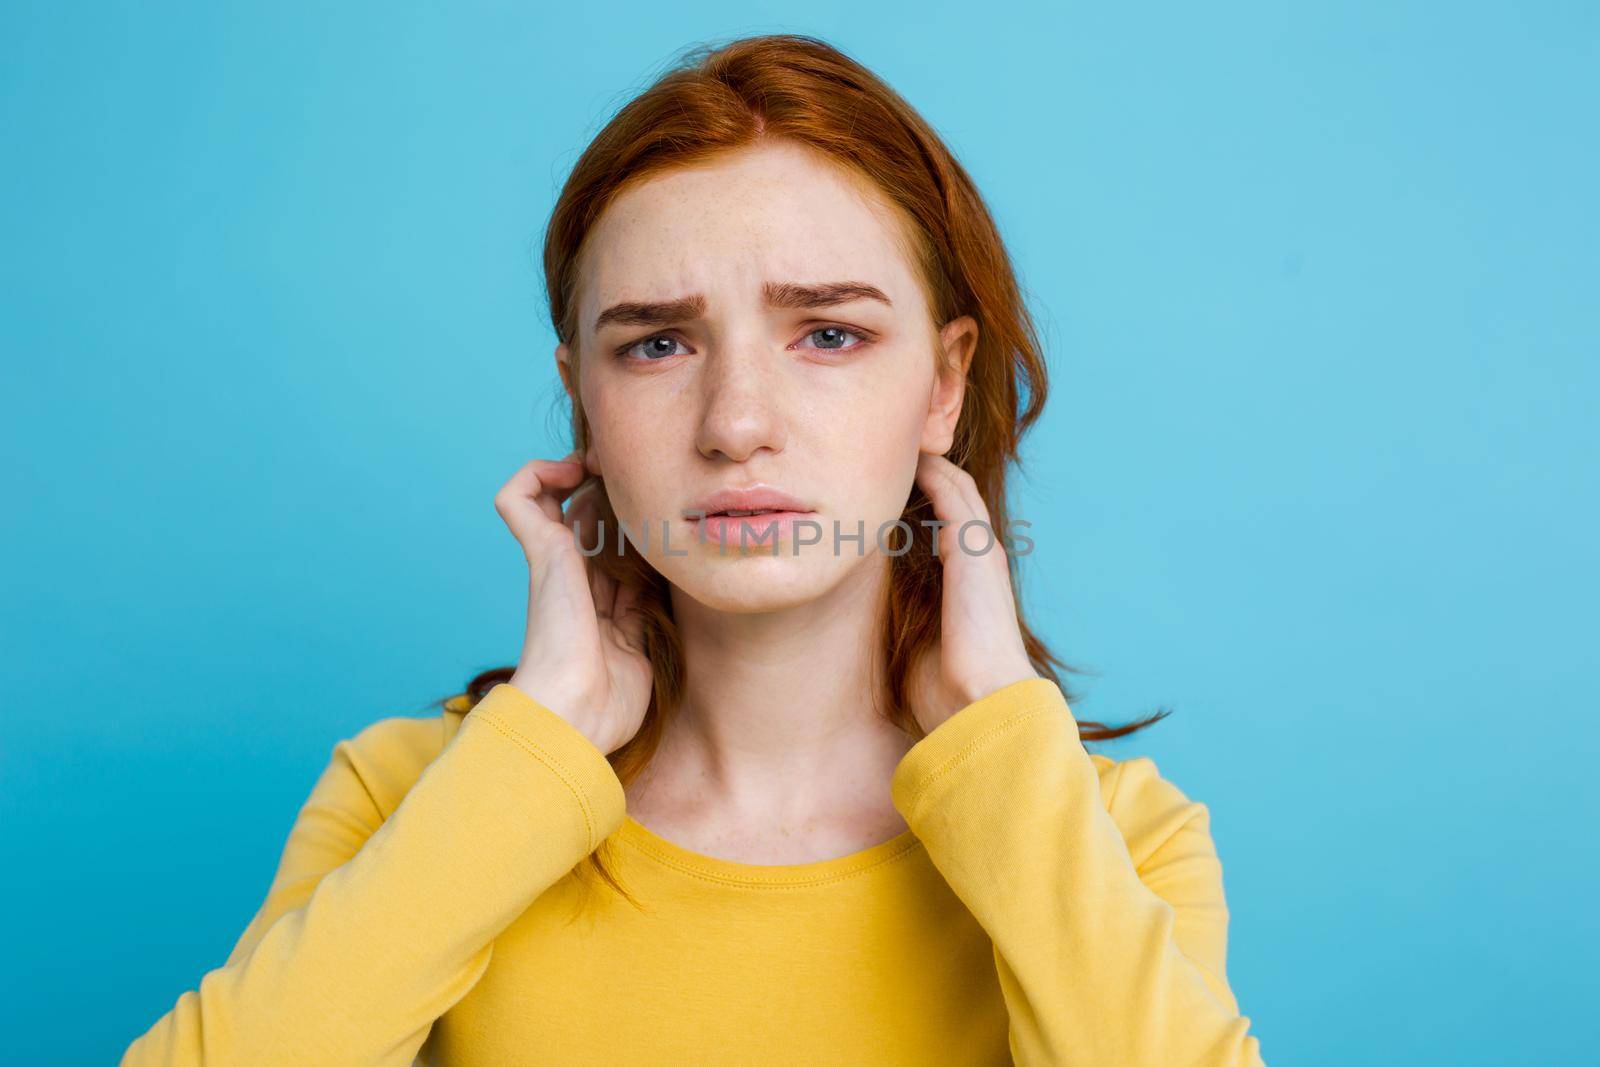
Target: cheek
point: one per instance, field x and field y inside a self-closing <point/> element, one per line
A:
<point x="636" y="446"/>
<point x="614" y="416"/>
<point x="886" y="438"/>
<point x="883" y="402"/>
<point x="896" y="415"/>
<point x="874" y="449"/>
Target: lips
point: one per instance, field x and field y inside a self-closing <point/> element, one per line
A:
<point x="750" y="500"/>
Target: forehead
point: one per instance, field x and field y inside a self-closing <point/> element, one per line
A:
<point x="777" y="212"/>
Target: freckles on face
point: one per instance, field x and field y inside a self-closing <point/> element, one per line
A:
<point x="827" y="403"/>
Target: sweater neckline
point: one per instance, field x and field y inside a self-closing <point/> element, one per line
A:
<point x="734" y="872"/>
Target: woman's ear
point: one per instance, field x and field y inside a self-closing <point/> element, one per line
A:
<point x="958" y="340"/>
<point x="569" y="382"/>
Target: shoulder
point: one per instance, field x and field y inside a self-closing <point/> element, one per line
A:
<point x="1148" y="808"/>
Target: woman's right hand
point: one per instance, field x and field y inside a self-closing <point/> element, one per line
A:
<point x="583" y="652"/>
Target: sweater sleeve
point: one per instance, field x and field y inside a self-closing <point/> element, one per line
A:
<point x="375" y="926"/>
<point x="1108" y="917"/>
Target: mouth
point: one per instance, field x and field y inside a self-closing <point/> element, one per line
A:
<point x="749" y="502"/>
<point x="737" y="513"/>
<point x="755" y="531"/>
<point x="754" y="516"/>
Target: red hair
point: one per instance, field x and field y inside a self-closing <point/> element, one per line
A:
<point x="719" y="99"/>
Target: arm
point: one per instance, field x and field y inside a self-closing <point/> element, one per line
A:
<point x="1110" y="948"/>
<point x="374" y="926"/>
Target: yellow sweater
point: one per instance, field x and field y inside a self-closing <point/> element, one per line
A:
<point x="1046" y="906"/>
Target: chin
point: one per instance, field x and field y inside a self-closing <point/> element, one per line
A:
<point x="749" y="584"/>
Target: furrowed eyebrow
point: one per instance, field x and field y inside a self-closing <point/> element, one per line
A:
<point x="778" y="294"/>
<point x="658" y="313"/>
<point x="827" y="294"/>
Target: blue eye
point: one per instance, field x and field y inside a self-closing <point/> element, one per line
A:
<point x="836" y="332"/>
<point x="650" y="345"/>
<point x="659" y="346"/>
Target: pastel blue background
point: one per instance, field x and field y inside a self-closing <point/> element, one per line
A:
<point x="1318" y="284"/>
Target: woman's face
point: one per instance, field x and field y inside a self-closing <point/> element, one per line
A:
<point x="720" y="350"/>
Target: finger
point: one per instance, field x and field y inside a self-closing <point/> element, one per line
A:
<point x="552" y="482"/>
<point x="534" y="493"/>
<point x="953" y="495"/>
<point x="582" y="513"/>
<point x="957" y="500"/>
<point x="582" y="517"/>
<point x="954" y="487"/>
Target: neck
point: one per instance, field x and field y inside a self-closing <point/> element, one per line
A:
<point x="779" y="719"/>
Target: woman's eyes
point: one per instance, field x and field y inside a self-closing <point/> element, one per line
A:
<point x="836" y="330"/>
<point x="650" y="341"/>
<point x="833" y="342"/>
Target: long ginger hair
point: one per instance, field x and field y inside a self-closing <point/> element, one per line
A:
<point x="718" y="99"/>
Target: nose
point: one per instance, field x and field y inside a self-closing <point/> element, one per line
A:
<point x="741" y="404"/>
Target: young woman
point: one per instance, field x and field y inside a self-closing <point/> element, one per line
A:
<point x="798" y="786"/>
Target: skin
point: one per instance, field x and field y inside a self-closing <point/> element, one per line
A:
<point x="777" y="754"/>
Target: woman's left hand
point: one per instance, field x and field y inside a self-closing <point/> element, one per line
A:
<point x="980" y="646"/>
